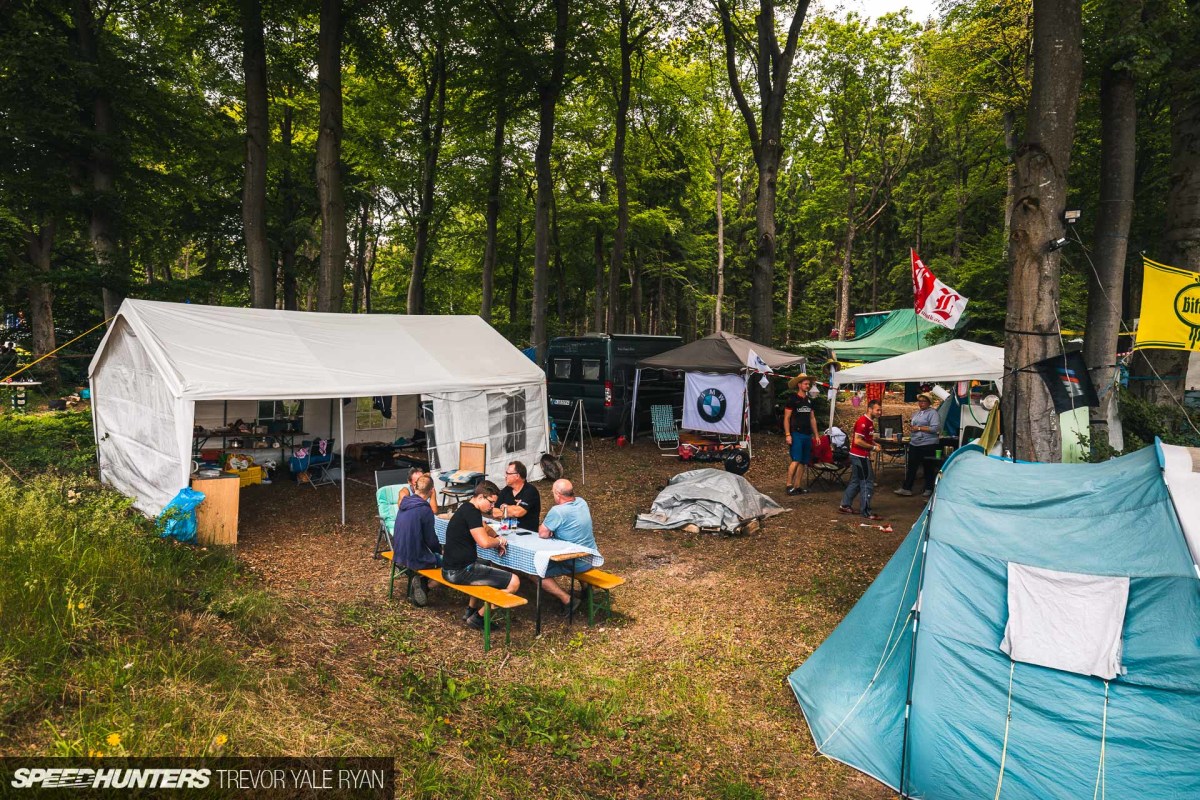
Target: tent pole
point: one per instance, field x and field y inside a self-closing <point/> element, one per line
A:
<point x="342" y="440"/>
<point x="746" y="414"/>
<point x="637" y="381"/>
<point x="912" y="649"/>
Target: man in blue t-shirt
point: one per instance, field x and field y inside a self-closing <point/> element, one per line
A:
<point x="570" y="520"/>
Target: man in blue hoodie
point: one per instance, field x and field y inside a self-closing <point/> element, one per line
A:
<point x="414" y="543"/>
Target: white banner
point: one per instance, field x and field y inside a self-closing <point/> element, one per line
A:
<point x="713" y="402"/>
<point x="934" y="300"/>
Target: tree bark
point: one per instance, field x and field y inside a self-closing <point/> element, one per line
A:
<point x="598" y="262"/>
<point x="635" y="291"/>
<point x="254" y="181"/>
<point x="492" y="214"/>
<point x="548" y="93"/>
<point x="1118" y="160"/>
<point x="1162" y="372"/>
<point x="331" y="289"/>
<point x="38" y="243"/>
<point x="515" y="280"/>
<point x="1031" y="426"/>
<point x="618" y="159"/>
<point x="101" y="203"/>
<point x="433" y="120"/>
<point x="287" y="237"/>
<point x="360" y="257"/>
<point x="771" y="72"/>
<point x="719" y="174"/>
<point x="844" y="280"/>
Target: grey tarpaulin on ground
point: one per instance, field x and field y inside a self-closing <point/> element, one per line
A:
<point x="708" y="498"/>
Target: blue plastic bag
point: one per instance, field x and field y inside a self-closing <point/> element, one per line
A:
<point x="178" y="517"/>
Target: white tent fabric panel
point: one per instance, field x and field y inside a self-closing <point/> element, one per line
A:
<point x="492" y="418"/>
<point x="1066" y="620"/>
<point x="956" y="360"/>
<point x="1181" y="470"/>
<point x="218" y="353"/>
<point x="144" y="432"/>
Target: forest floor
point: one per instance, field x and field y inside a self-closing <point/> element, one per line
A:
<point x="682" y="693"/>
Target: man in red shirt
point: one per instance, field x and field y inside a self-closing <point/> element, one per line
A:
<point x="862" y="477"/>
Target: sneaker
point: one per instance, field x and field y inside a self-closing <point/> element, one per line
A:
<point x="872" y="516"/>
<point x="904" y="492"/>
<point x="795" y="490"/>
<point x="567" y="610"/>
<point x="470" y="612"/>
<point x="419" y="592"/>
<point x="927" y="493"/>
<point x="845" y="510"/>
<point x="475" y="621"/>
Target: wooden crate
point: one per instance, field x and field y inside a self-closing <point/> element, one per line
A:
<point x="217" y="516"/>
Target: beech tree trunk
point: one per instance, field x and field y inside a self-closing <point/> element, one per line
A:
<point x="844" y="280"/>
<point x="492" y="215"/>
<point x="618" y="159"/>
<point x="1118" y="159"/>
<point x="1161" y="373"/>
<point x="102" y="200"/>
<point x="719" y="174"/>
<point x="287" y="238"/>
<point x="360" y="257"/>
<point x="39" y="241"/>
<point x="331" y="289"/>
<point x="548" y="93"/>
<point x="1031" y="429"/>
<point x="254" y="181"/>
<point x="433" y="119"/>
<point x="598" y="262"/>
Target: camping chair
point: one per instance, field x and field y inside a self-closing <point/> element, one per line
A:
<point x="666" y="430"/>
<point x="831" y="460"/>
<point x="313" y="463"/>
<point x="472" y="468"/>
<point x="386" y="479"/>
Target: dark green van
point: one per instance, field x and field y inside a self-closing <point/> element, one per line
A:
<point x="598" y="368"/>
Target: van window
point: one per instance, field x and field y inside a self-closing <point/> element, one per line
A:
<point x="591" y="369"/>
<point x="562" y="368"/>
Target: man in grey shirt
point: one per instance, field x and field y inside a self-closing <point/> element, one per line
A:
<point x="922" y="444"/>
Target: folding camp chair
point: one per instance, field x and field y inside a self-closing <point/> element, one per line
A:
<point x="890" y="452"/>
<point x="472" y="468"/>
<point x="666" y="431"/>
<point x="387" y="478"/>
<point x="832" y="472"/>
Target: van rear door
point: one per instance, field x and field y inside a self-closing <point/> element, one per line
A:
<point x="576" y="370"/>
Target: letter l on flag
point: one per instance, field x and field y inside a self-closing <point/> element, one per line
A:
<point x="932" y="299"/>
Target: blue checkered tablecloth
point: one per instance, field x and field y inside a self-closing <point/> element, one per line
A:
<point x="529" y="553"/>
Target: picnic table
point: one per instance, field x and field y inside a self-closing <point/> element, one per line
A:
<point x="529" y="554"/>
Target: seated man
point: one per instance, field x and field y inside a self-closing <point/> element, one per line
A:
<point x="414" y="543"/>
<point x="571" y="521"/>
<point x="414" y="475"/>
<point x="466" y="531"/>
<point x="518" y="500"/>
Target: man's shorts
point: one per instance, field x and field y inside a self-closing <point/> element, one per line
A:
<point x="801" y="447"/>
<point x="478" y="574"/>
<point x="560" y="568"/>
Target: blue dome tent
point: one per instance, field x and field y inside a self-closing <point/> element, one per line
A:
<point x="1036" y="635"/>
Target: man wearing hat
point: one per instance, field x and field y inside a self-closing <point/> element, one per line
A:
<point x="921" y="445"/>
<point x="800" y="428"/>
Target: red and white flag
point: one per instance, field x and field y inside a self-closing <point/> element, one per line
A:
<point x="934" y="300"/>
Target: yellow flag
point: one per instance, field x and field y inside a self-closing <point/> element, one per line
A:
<point x="1170" y="308"/>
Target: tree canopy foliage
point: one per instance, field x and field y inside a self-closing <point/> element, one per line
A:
<point x="122" y="158"/>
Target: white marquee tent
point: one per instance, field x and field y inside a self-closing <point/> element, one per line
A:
<point x="948" y="362"/>
<point x="160" y="364"/>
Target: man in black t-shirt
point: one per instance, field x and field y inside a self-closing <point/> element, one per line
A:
<point x="800" y="428"/>
<point x="518" y="500"/>
<point x="465" y="532"/>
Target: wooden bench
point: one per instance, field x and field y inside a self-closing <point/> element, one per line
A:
<point x="605" y="581"/>
<point x="489" y="595"/>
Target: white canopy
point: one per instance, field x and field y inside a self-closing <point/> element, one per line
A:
<point x="955" y="360"/>
<point x="218" y="353"/>
<point x="158" y="359"/>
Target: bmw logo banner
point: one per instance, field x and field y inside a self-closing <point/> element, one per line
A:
<point x="713" y="402"/>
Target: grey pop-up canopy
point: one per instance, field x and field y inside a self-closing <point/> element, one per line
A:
<point x="720" y="352"/>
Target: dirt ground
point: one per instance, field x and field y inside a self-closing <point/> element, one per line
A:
<point x="725" y="618"/>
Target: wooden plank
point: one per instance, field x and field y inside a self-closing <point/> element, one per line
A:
<point x="217" y="516"/>
<point x="487" y="594"/>
<point x="600" y="579"/>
